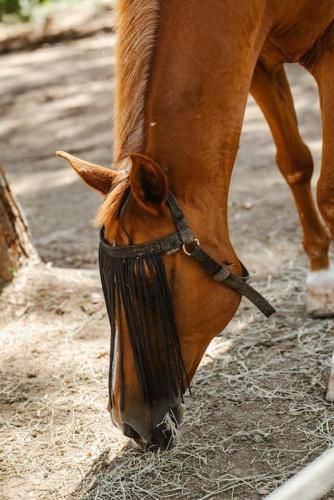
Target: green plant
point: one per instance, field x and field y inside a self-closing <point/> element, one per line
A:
<point x="21" y="8"/>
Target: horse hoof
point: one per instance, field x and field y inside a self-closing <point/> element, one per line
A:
<point x="320" y="293"/>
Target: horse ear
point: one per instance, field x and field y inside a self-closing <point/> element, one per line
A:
<point x="99" y="178"/>
<point x="149" y="184"/>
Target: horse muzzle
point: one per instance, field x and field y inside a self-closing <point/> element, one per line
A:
<point x="149" y="431"/>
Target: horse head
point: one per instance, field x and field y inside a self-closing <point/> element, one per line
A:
<point x="163" y="311"/>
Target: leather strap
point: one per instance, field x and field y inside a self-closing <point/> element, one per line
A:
<point x="180" y="220"/>
<point x="222" y="274"/>
<point x="185" y="238"/>
<point x="219" y="272"/>
<point x="167" y="244"/>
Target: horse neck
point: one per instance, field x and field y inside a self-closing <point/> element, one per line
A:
<point x="196" y="97"/>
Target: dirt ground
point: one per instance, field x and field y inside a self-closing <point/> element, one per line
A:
<point x="258" y="411"/>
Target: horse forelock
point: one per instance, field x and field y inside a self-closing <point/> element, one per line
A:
<point x="113" y="202"/>
<point x="137" y="30"/>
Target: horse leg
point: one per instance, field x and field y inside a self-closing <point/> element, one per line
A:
<point x="323" y="71"/>
<point x="271" y="90"/>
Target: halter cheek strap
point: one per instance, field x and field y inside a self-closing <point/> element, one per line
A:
<point x="219" y="272"/>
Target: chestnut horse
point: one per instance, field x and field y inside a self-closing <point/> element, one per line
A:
<point x="184" y="70"/>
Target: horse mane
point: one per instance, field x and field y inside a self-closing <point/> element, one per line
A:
<point x="137" y="27"/>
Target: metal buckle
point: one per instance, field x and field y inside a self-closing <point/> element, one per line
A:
<point x="172" y="251"/>
<point x="184" y="246"/>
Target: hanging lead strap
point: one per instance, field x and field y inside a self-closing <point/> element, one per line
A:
<point x="219" y="272"/>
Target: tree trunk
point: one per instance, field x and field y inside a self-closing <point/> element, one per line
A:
<point x="15" y="241"/>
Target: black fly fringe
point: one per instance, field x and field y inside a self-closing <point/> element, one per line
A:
<point x="138" y="298"/>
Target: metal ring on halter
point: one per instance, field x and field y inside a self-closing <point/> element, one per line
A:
<point x="184" y="246"/>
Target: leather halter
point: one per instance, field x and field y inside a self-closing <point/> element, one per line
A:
<point x="185" y="239"/>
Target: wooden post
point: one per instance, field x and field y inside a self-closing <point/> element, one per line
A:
<point x="15" y="241"/>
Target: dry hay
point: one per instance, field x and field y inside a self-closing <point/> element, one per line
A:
<point x="257" y="416"/>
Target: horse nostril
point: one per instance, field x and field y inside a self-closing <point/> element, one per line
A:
<point x="129" y="431"/>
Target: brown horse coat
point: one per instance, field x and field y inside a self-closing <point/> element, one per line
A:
<point x="184" y="71"/>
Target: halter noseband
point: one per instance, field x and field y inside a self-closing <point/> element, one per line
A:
<point x="185" y="239"/>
